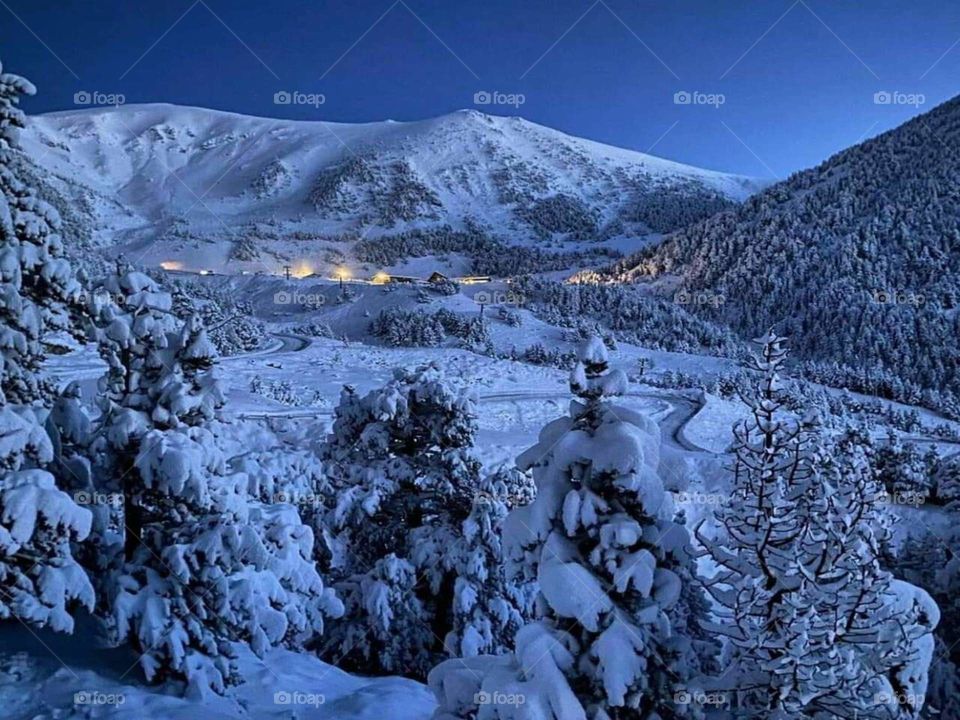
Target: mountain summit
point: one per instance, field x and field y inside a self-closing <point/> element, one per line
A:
<point x="159" y="179"/>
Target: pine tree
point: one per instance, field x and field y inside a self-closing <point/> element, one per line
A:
<point x="931" y="560"/>
<point x="40" y="581"/>
<point x="40" y="292"/>
<point x="203" y="565"/>
<point x="488" y="609"/>
<point x="190" y="394"/>
<point x="406" y="485"/>
<point x="816" y="628"/>
<point x="69" y="427"/>
<point x="131" y="322"/>
<point x="212" y="569"/>
<point x="601" y="540"/>
<point x="903" y="471"/>
<point x="947" y="479"/>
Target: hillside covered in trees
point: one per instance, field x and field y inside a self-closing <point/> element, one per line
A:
<point x="860" y="252"/>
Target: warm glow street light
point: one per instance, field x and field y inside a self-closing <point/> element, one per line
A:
<point x="342" y="274"/>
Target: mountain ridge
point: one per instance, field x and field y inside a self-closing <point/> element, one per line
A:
<point x="857" y="259"/>
<point x="188" y="177"/>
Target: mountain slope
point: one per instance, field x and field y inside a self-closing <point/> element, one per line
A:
<point x="211" y="187"/>
<point x="857" y="259"/>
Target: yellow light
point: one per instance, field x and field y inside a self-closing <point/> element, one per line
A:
<point x="171" y="265"/>
<point x="381" y="278"/>
<point x="342" y="273"/>
<point x="301" y="269"/>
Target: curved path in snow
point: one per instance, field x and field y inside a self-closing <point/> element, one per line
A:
<point x="94" y="368"/>
<point x="682" y="411"/>
<point x="283" y="343"/>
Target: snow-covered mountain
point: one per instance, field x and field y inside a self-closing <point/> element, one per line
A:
<point x="857" y="260"/>
<point x="208" y="188"/>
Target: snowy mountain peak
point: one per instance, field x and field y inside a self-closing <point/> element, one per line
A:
<point x="158" y="172"/>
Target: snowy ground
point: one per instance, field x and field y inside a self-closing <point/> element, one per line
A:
<point x="42" y="676"/>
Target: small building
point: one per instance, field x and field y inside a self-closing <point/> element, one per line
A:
<point x="382" y="278"/>
<point x="438" y="277"/>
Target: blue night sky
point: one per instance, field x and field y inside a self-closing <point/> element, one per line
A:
<point x="797" y="78"/>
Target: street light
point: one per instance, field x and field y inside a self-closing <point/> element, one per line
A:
<point x="342" y="274"/>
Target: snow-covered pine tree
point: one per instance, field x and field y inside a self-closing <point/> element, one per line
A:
<point x="903" y="471"/>
<point x="406" y="533"/>
<point x="41" y="294"/>
<point x="132" y="325"/>
<point x="947" y="483"/>
<point x="487" y="609"/>
<point x="816" y="629"/>
<point x="207" y="567"/>
<point x="130" y="321"/>
<point x="190" y="393"/>
<point x="69" y="427"/>
<point x="601" y="540"/>
<point x="40" y="581"/>
<point x="213" y="569"/>
<point x="929" y="559"/>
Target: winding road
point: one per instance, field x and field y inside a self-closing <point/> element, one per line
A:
<point x="683" y="409"/>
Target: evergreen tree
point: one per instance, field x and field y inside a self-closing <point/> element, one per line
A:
<point x="40" y="581"/>
<point x="202" y="566"/>
<point x="410" y="536"/>
<point x="601" y="540"/>
<point x="931" y="560"/>
<point x="488" y="609"/>
<point x="40" y="292"/>
<point x="212" y="568"/>
<point x="947" y="482"/>
<point x="816" y="628"/>
<point x="133" y="327"/>
<point x="903" y="471"/>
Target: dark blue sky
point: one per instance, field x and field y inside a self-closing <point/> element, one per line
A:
<point x="797" y="78"/>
